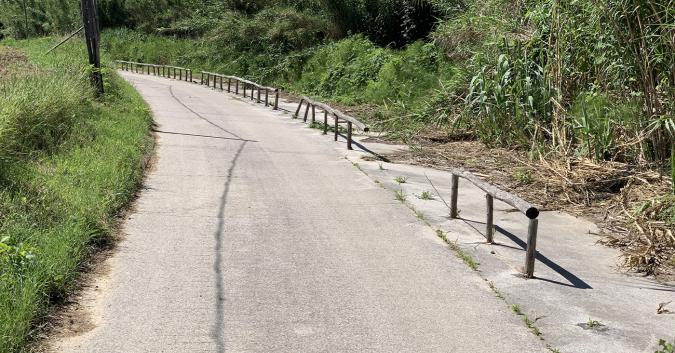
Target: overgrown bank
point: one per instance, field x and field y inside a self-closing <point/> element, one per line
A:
<point x="68" y="164"/>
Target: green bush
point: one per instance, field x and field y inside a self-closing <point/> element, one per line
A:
<point x="342" y="70"/>
<point x="407" y="75"/>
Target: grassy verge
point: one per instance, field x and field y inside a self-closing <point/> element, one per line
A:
<point x="68" y="164"/>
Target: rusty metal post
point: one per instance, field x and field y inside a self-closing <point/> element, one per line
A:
<point x="325" y="122"/>
<point x="276" y="99"/>
<point x="531" y="252"/>
<point x="453" y="196"/>
<point x="349" y="135"/>
<point x="297" y="111"/>
<point x="489" y="223"/>
<point x="307" y="112"/>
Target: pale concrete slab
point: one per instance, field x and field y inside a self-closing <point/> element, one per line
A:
<point x="577" y="279"/>
<point x="255" y="234"/>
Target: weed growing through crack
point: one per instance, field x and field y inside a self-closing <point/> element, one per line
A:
<point x="530" y="324"/>
<point x="426" y="195"/>
<point x="494" y="289"/>
<point x="401" y="179"/>
<point x="516" y="309"/>
<point x="553" y="350"/>
<point x="420" y="215"/>
<point x="666" y="347"/>
<point x="593" y="323"/>
<point x="468" y="259"/>
<point x="526" y="320"/>
<point x="400" y="195"/>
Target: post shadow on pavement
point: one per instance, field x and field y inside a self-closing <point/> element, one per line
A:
<point x="197" y="135"/>
<point x="575" y="281"/>
<point x="365" y="149"/>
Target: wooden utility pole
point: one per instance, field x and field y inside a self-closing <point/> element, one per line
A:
<point x="92" y="36"/>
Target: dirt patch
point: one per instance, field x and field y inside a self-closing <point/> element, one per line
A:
<point x="12" y="61"/>
<point x="610" y="194"/>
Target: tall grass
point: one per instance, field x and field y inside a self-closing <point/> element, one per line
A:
<point x="85" y="164"/>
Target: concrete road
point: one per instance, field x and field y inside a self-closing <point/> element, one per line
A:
<point x="255" y="234"/>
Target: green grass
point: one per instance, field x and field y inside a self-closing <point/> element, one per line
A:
<point x="468" y="259"/>
<point x="69" y="163"/>
<point x="426" y="195"/>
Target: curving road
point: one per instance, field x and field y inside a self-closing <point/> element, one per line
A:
<point x="253" y="233"/>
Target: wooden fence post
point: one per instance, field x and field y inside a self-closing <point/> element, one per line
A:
<point x="93" y="36"/>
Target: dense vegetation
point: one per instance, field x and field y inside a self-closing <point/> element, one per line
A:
<point x="68" y="163"/>
<point x="589" y="78"/>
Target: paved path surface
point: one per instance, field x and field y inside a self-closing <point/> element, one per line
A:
<point x="255" y="234"/>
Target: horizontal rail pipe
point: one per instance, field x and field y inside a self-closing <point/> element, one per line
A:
<point x="492" y="192"/>
<point x="245" y="84"/>
<point x="338" y="116"/>
<point x="176" y="72"/>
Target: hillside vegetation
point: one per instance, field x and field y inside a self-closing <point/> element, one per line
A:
<point x="68" y="163"/>
<point x="570" y="84"/>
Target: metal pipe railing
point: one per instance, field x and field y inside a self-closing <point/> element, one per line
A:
<point x="337" y="117"/>
<point x="491" y="193"/>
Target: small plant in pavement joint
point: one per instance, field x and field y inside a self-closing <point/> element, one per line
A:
<point x="498" y="293"/>
<point x="401" y="179"/>
<point x="426" y="195"/>
<point x="400" y="195"/>
<point x="553" y="350"/>
<point x="468" y="260"/>
<point x="666" y="347"/>
<point x="420" y="215"/>
<point x="516" y="309"/>
<point x="593" y="323"/>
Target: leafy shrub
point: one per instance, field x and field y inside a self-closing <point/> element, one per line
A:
<point x="406" y="75"/>
<point x="510" y="97"/>
<point x="342" y="70"/>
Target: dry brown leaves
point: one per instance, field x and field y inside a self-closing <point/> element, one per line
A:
<point x="608" y="193"/>
<point x="10" y="58"/>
